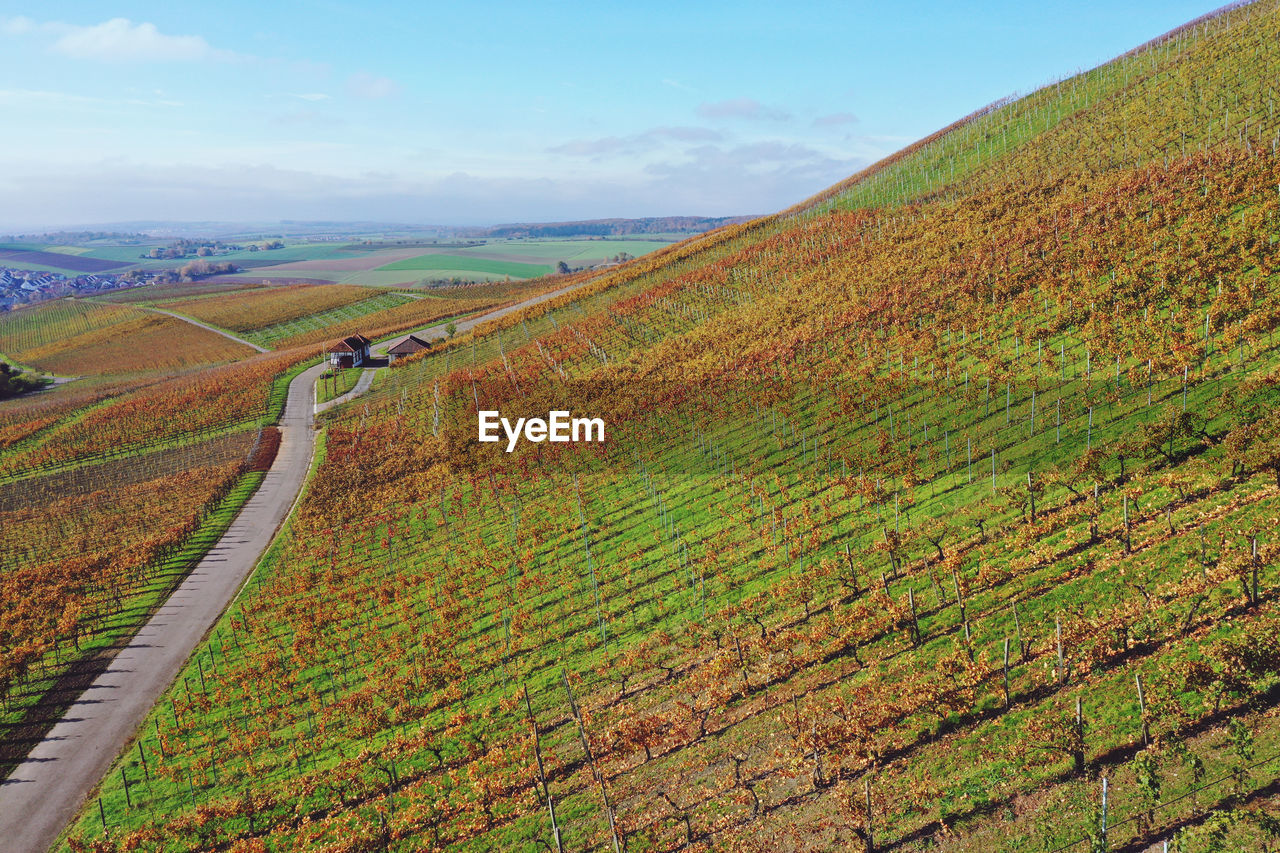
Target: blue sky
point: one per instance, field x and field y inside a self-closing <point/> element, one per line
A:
<point x="480" y="112"/>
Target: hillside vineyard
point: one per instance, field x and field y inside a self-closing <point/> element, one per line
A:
<point x="938" y="512"/>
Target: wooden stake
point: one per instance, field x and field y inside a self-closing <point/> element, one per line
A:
<point x="1006" y="673"/>
<point x="866" y="788"/>
<point x="1142" y="710"/>
<point x="1062" y="670"/>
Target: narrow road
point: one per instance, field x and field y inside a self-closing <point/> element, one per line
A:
<point x="41" y="796"/>
<point x="213" y="329"/>
<point x="44" y="792"/>
<point x="471" y="322"/>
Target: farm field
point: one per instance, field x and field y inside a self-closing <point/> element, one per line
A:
<point x="495" y="260"/>
<point x="73" y="337"/>
<point x="576" y="252"/>
<point x="925" y="508"/>
<point x="20" y="255"/>
<point x="256" y="309"/>
<point x="469" y="264"/>
<point x="141" y="419"/>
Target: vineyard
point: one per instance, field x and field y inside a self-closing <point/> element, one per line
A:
<point x="938" y="513"/>
<point x="113" y="491"/>
<point x="172" y="411"/>
<point x="252" y="310"/>
<point x="87" y="553"/>
<point x="73" y="338"/>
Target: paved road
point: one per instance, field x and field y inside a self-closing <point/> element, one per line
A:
<point x="213" y="329"/>
<point x="43" y="793"/>
<point x="426" y="332"/>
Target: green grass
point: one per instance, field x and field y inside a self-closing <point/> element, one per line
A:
<point x="461" y="262"/>
<point x="567" y="250"/>
<point x="334" y="383"/>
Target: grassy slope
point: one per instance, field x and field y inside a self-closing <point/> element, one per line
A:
<point x="695" y="580"/>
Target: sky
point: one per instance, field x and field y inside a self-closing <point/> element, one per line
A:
<point x="484" y="112"/>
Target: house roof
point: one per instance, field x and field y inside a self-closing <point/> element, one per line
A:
<point x="410" y="344"/>
<point x="351" y="343"/>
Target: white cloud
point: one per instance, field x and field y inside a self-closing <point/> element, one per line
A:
<point x="835" y="119"/>
<point x="20" y="25"/>
<point x="743" y="108"/>
<point x="362" y="84"/>
<point x="310" y="96"/>
<point x="121" y="40"/>
<point x="637" y="143"/>
<point x="712" y="181"/>
<point x="41" y="98"/>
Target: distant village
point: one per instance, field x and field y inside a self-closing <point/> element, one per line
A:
<point x="26" y="287"/>
<point x="22" y="287"/>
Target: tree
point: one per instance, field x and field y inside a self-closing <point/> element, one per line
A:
<point x="451" y="329"/>
<point x="562" y="268"/>
<point x="13" y="382"/>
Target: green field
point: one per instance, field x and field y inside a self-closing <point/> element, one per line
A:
<point x="596" y="251"/>
<point x="436" y="263"/>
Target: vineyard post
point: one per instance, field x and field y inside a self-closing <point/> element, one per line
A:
<point x="1062" y="670"/>
<point x="1142" y="710"/>
<point x="1127" y="548"/>
<point x="102" y="816"/>
<point x="993" y="470"/>
<point x="1017" y="627"/>
<point x="866" y="789"/>
<point x="969" y="456"/>
<point x="1058" y="440"/>
<point x="853" y="572"/>
<point x="915" y="620"/>
<point x="128" y="800"/>
<point x="542" y="775"/>
<point x="1077" y="755"/>
<point x="1104" y="814"/>
<point x="1089" y="443"/>
<point x="1255" y="571"/>
<point x="1031" y="496"/>
<point x="1006" y="673"/>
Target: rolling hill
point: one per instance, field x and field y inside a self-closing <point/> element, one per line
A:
<point x="935" y="512"/>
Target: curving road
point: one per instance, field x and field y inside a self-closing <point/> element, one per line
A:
<point x="41" y="796"/>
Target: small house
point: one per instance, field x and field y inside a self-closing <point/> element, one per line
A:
<point x="351" y="351"/>
<point x="407" y="346"/>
